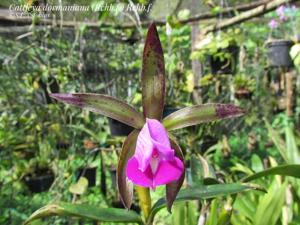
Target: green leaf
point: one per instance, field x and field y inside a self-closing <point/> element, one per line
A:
<point x="203" y="192"/>
<point x="256" y="163"/>
<point x="287" y="148"/>
<point x="214" y="213"/>
<point x="124" y="185"/>
<point x="179" y="215"/>
<point x="153" y="76"/>
<point x="241" y="168"/>
<point x="270" y="205"/>
<point x="81" y="127"/>
<point x="104" y="105"/>
<point x="245" y="206"/>
<point x="192" y="212"/>
<point x="201" y="171"/>
<point x="85" y="212"/>
<point x="80" y="187"/>
<point x="224" y="216"/>
<point x="292" y="150"/>
<point x="278" y="141"/>
<point x="284" y="170"/>
<point x="173" y="187"/>
<point x="185" y="213"/>
<point x="193" y="115"/>
<point x="295" y="54"/>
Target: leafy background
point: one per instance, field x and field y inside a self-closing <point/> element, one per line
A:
<point x="37" y="132"/>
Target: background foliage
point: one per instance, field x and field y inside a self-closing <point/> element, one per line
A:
<point x="38" y="133"/>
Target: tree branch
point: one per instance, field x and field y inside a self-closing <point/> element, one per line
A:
<point x="258" y="11"/>
<point x="6" y="17"/>
<point x="238" y="8"/>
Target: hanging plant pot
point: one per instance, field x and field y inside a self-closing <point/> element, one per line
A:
<point x="119" y="129"/>
<point x="243" y="94"/>
<point x="39" y="181"/>
<point x="278" y="52"/>
<point x="89" y="173"/>
<point x="224" y="65"/>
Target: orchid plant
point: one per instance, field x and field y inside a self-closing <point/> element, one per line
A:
<point x="150" y="155"/>
<point x="284" y="19"/>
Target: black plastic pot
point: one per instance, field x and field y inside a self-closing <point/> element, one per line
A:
<point x="89" y="173"/>
<point x="279" y="53"/>
<point x="40" y="182"/>
<point x="119" y="129"/>
<point x="226" y="66"/>
<point x="243" y="94"/>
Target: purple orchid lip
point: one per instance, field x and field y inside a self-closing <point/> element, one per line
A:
<point x="154" y="162"/>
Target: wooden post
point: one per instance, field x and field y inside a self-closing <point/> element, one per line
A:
<point x="289" y="85"/>
<point x="196" y="66"/>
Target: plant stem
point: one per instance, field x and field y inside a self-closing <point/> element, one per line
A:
<point x="144" y="200"/>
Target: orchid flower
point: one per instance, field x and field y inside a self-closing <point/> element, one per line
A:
<point x="150" y="156"/>
<point x="273" y="24"/>
<point x="281" y="12"/>
<point x="154" y="162"/>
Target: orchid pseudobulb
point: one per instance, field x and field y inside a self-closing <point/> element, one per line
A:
<point x="154" y="162"/>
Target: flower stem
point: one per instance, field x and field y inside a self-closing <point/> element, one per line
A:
<point x="144" y="200"/>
